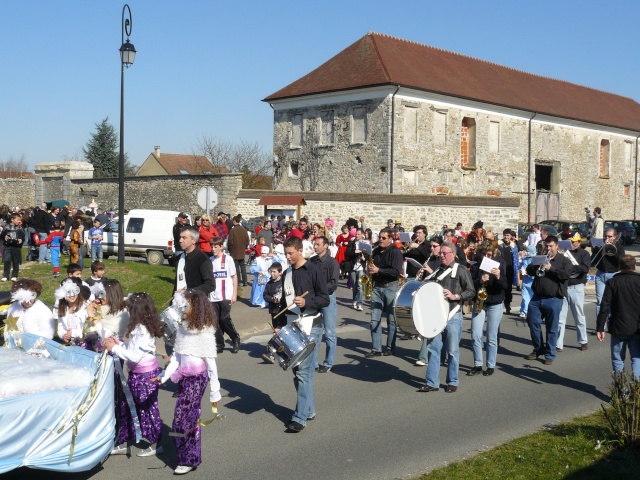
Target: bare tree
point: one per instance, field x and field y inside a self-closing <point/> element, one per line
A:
<point x="244" y="157"/>
<point x="14" y="167"/>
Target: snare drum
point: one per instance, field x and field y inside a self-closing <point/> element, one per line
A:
<point x="171" y="318"/>
<point x="291" y="346"/>
<point x="421" y="309"/>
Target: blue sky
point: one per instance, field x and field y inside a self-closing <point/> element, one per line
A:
<point x="203" y="67"/>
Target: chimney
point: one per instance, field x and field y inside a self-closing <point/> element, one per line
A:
<point x="157" y="148"/>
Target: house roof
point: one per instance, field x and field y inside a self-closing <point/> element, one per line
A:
<point x="377" y="59"/>
<point x="17" y="175"/>
<point x="178" y="164"/>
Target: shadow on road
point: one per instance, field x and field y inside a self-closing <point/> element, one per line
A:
<point x="246" y="399"/>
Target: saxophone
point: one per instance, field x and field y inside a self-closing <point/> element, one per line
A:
<point x="366" y="280"/>
<point x="482" y="296"/>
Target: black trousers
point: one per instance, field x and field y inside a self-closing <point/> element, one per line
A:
<point x="12" y="256"/>
<point x="241" y="271"/>
<point x="508" y="293"/>
<point x="222" y="310"/>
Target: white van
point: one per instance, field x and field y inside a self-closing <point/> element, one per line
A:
<point x="148" y="233"/>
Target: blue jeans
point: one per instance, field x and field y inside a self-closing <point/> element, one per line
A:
<point x="382" y="301"/>
<point x="493" y="315"/>
<point x="575" y="301"/>
<point x="96" y="252"/>
<point x="549" y="310"/>
<point x="356" y="289"/>
<point x="619" y="344"/>
<point x="329" y="316"/>
<point x="303" y="381"/>
<point x="527" y="293"/>
<point x="434" y="349"/>
<point x="44" y="256"/>
<point x="601" y="279"/>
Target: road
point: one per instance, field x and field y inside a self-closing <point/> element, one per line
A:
<point x="372" y="422"/>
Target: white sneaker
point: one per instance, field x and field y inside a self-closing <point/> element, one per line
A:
<point x="4" y="279"/>
<point x="355" y="305"/>
<point x="150" y="451"/>
<point x="359" y="308"/>
<point x="14" y="279"/>
<point x="121" y="450"/>
<point x="181" y="470"/>
<point x="523" y="315"/>
<point x="420" y="363"/>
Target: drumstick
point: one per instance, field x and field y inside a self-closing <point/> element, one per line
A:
<point x="289" y="306"/>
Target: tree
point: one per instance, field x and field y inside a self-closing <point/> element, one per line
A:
<point x="103" y="152"/>
<point x="14" y="167"/>
<point x="244" y="157"/>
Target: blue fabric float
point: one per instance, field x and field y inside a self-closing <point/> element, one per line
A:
<point x="37" y="430"/>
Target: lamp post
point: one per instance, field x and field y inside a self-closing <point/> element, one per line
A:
<point x="127" y="54"/>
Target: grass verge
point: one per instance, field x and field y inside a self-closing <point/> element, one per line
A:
<point x="581" y="449"/>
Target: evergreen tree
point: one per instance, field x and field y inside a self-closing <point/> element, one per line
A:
<point x="103" y="152"/>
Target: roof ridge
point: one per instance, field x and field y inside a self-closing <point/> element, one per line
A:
<point x="374" y="33"/>
<point x="384" y="67"/>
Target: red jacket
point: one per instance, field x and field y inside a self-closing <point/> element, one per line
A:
<point x="204" y="242"/>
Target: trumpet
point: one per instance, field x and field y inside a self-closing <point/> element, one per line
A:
<point x="482" y="296"/>
<point x="541" y="269"/>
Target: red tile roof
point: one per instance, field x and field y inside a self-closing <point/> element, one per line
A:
<point x="378" y="59"/>
<point x="17" y="175"/>
<point x="193" y="164"/>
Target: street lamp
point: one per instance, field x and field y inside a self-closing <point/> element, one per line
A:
<point x="127" y="54"/>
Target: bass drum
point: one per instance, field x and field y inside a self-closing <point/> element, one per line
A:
<point x="421" y="309"/>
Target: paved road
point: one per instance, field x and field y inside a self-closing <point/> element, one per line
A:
<point x="372" y="423"/>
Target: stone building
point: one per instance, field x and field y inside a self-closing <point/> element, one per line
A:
<point x="392" y="116"/>
<point x="177" y="164"/>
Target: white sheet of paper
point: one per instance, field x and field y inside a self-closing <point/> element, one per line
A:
<point x="414" y="262"/>
<point x="564" y="245"/>
<point x="539" y="260"/>
<point x="487" y="265"/>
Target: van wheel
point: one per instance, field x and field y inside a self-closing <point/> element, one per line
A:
<point x="155" y="258"/>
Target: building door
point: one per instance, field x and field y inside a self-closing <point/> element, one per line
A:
<point x="547" y="196"/>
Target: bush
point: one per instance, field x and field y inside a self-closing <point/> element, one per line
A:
<point x="623" y="415"/>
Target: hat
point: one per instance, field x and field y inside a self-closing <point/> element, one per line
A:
<point x="264" y="250"/>
<point x="576" y="237"/>
<point x="221" y="213"/>
<point x="182" y="215"/>
<point x="478" y="224"/>
<point x="279" y="248"/>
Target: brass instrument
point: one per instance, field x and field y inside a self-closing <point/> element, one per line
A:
<point x="482" y="296"/>
<point x="608" y="249"/>
<point x="542" y="271"/>
<point x="367" y="281"/>
<point x="421" y="273"/>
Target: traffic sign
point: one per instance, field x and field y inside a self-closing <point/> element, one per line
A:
<point x="207" y="198"/>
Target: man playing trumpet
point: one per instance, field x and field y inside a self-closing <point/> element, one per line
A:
<point x="608" y="263"/>
<point x="549" y="288"/>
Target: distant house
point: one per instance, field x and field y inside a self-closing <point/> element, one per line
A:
<point x="177" y="164"/>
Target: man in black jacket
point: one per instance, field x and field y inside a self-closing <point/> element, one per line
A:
<point x="622" y="298"/>
<point x="549" y="288"/>
<point x="13" y="239"/>
<point x="41" y="223"/>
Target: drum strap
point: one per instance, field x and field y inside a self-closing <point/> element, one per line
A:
<point x="222" y="265"/>
<point x="570" y="257"/>
<point x="181" y="283"/>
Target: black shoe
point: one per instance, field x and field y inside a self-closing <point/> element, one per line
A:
<point x="236" y="345"/>
<point x="373" y="353"/>
<point x="220" y="349"/>
<point x="474" y="371"/>
<point x="388" y="352"/>
<point x="296" y="427"/>
<point x="427" y="388"/>
<point x="175" y="394"/>
<point x="451" y="389"/>
<point x="548" y="361"/>
<point x="488" y="372"/>
<point x="323" y="369"/>
<point x="532" y="356"/>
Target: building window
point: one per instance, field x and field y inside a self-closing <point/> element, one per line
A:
<point x="409" y="178"/>
<point x="440" y="127"/>
<point x="296" y="131"/>
<point x="468" y="143"/>
<point x="604" y="158"/>
<point x="494" y="137"/>
<point x="183" y="172"/>
<point x="626" y="189"/>
<point x="410" y="125"/>
<point x="294" y="171"/>
<point x="628" y="153"/>
<point x="326" y="128"/>
<point x="359" y="123"/>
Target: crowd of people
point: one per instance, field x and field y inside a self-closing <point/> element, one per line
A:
<point x="297" y="267"/>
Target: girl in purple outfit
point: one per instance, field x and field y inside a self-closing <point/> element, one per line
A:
<point x="139" y="353"/>
<point x="192" y="366"/>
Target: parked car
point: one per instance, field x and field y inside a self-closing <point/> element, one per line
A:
<point x="568" y="228"/>
<point x="636" y="225"/>
<point x="625" y="229"/>
<point x="524" y="229"/>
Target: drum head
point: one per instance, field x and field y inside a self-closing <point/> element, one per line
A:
<point x="430" y="310"/>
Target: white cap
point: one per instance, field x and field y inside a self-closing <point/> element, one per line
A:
<point x="264" y="250"/>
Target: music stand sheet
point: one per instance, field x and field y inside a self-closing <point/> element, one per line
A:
<point x="597" y="242"/>
<point x="564" y="244"/>
<point x="487" y="265"/>
<point x="539" y="260"/>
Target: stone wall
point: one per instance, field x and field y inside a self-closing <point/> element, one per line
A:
<point x="430" y="210"/>
<point x="428" y="156"/>
<point x="161" y="192"/>
<point x="18" y="192"/>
